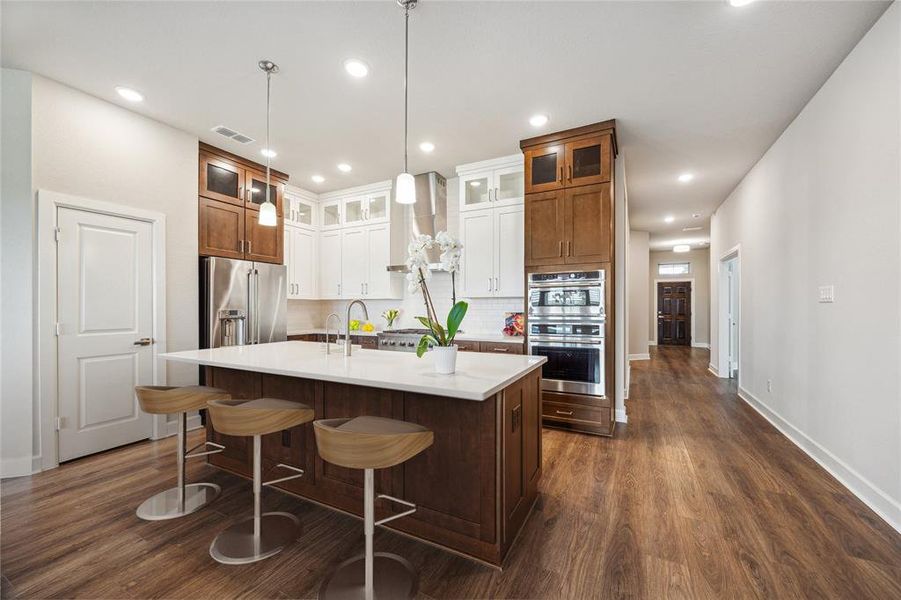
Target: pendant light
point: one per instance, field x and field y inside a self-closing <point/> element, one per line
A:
<point x="405" y="188"/>
<point x="268" y="211"/>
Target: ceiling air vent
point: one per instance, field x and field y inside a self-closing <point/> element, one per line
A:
<point x="692" y="228"/>
<point x="232" y="134"/>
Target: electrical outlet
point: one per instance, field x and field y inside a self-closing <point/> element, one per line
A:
<point x="826" y="294"/>
<point x="769" y="385"/>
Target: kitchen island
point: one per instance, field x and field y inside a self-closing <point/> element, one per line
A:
<point x="473" y="488"/>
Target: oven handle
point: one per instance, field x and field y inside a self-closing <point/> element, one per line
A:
<point x="560" y="285"/>
<point x="592" y="341"/>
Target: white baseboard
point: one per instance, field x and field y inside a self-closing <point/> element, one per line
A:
<point x="15" y="467"/>
<point x="713" y="370"/>
<point x="700" y="345"/>
<point x="881" y="503"/>
<point x="172" y="426"/>
<point x="652" y="342"/>
<point x="621" y="415"/>
<point x="639" y="357"/>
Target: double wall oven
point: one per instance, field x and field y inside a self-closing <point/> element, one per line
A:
<point x="566" y="322"/>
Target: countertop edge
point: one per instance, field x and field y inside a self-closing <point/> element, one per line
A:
<point x="379" y="385"/>
<point x="464" y="337"/>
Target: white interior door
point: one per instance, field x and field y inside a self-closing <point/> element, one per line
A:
<point x="509" y="251"/>
<point x="477" y="233"/>
<point x="105" y="307"/>
<point x="733" y="318"/>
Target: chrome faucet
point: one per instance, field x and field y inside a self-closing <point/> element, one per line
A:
<point x="347" y="343"/>
<point x="337" y="329"/>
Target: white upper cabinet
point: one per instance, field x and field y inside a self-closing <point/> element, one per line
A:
<point x="354" y="263"/>
<point x="509" y="251"/>
<point x="477" y="268"/>
<point x="330" y="264"/>
<point x="379" y="282"/>
<point x="300" y="208"/>
<point x="369" y="209"/>
<point x="491" y="183"/>
<point x="354" y="210"/>
<point x="302" y="260"/>
<point x="330" y="211"/>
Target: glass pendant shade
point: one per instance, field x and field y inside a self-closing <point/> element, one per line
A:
<point x="268" y="214"/>
<point x="405" y="189"/>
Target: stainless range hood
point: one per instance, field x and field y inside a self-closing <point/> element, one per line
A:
<point x="428" y="215"/>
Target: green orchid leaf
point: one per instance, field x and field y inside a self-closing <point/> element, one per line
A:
<point x="455" y="318"/>
<point x="423" y="346"/>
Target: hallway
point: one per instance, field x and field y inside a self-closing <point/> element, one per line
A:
<point x="697" y="497"/>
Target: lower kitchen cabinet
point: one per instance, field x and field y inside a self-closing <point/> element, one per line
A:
<point x="577" y="412"/>
<point x="502" y="347"/>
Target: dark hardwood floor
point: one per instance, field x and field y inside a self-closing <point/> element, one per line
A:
<point x="698" y="497"/>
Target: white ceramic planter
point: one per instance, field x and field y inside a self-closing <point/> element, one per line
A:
<point x="445" y="359"/>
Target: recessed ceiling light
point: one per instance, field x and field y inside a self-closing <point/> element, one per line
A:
<point x="681" y="248"/>
<point x="475" y="183"/>
<point x="686" y="177"/>
<point x="344" y="167"/>
<point x="740" y="3"/>
<point x="669" y="218"/>
<point x="317" y="178"/>
<point x="696" y="216"/>
<point x="538" y="120"/>
<point x="268" y="153"/>
<point x="427" y="146"/>
<point x="130" y="94"/>
<point x="356" y="67"/>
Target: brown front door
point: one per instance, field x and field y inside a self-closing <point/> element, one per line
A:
<point x="674" y="313"/>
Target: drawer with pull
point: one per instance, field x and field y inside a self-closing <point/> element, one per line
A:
<point x="502" y="347"/>
<point x="574" y="412"/>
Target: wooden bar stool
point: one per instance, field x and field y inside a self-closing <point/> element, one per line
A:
<point x="370" y="443"/>
<point x="261" y="535"/>
<point x="182" y="499"/>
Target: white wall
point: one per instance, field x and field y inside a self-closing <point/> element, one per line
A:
<point x="88" y="147"/>
<point x="638" y="294"/>
<point x="699" y="265"/>
<point x="16" y="275"/>
<point x="821" y="207"/>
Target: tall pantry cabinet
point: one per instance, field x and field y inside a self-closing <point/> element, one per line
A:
<point x="569" y="226"/>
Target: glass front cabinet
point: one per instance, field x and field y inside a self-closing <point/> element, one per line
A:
<point x="491" y="183"/>
<point x="583" y="161"/>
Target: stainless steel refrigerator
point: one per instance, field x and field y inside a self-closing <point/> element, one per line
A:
<point x="242" y="302"/>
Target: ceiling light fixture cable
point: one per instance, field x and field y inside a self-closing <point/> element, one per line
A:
<point x="268" y="213"/>
<point x="405" y="191"/>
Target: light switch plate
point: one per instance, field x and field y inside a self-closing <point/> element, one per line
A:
<point x="826" y="294"/>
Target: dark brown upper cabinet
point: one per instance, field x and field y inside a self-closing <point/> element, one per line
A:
<point x="582" y="156"/>
<point x="545" y="228"/>
<point x="588" y="221"/>
<point x="230" y="194"/>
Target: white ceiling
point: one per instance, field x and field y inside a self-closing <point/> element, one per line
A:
<point x="694" y="86"/>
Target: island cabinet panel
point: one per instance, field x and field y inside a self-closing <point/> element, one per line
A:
<point x="473" y="488"/>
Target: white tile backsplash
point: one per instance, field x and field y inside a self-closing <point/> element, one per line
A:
<point x="485" y="315"/>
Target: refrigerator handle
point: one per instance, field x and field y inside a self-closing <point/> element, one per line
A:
<point x="256" y="302"/>
<point x="251" y="307"/>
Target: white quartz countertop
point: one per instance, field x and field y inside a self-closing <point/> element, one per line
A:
<point x="471" y="337"/>
<point x="479" y="376"/>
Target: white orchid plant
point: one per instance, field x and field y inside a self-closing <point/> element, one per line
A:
<point x="417" y="281"/>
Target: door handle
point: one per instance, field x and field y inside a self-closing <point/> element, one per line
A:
<point x="570" y="172"/>
<point x="249" y="251"/>
<point x="496" y="286"/>
<point x="489" y="284"/>
<point x="569" y="248"/>
<point x="495" y="194"/>
<point x="560" y="252"/>
<point x="144" y="342"/>
<point x="561" y="174"/>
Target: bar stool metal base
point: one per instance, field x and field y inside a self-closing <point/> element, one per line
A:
<point x="165" y="505"/>
<point x="394" y="579"/>
<point x="236" y="545"/>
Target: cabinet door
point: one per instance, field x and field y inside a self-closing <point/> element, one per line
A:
<point x="263" y="242"/>
<point x="221" y="180"/>
<point x="305" y="276"/>
<point x="354" y="212"/>
<point x="354" y="262"/>
<point x="378" y="207"/>
<point x="330" y="265"/>
<point x="290" y="260"/>
<point x="477" y="233"/>
<point x="378" y="279"/>
<point x="330" y="214"/>
<point x="509" y="186"/>
<point x="256" y="191"/>
<point x="304" y="213"/>
<point x="544" y="168"/>
<point x="544" y="229"/>
<point x="515" y="505"/>
<point x="588" y="161"/>
<point x="220" y="229"/>
<point x="476" y="191"/>
<point x="509" y="270"/>
<point x="589" y="223"/>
